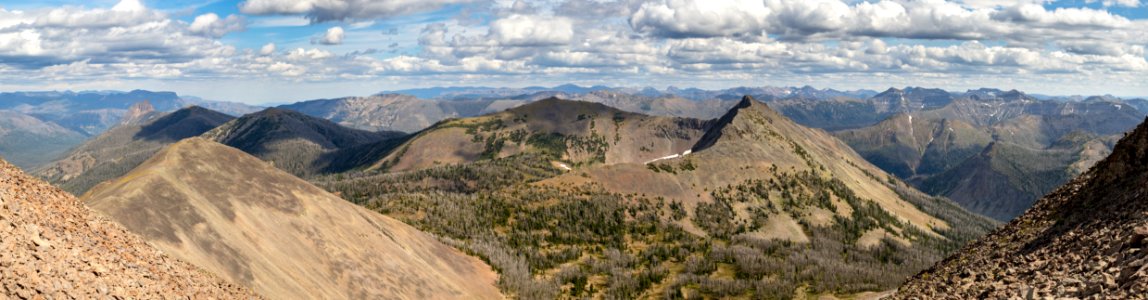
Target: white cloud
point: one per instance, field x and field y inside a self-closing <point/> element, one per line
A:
<point x="211" y="25"/>
<point x="127" y="34"/>
<point x="333" y="36"/>
<point x="129" y="5"/>
<point x="280" y="21"/>
<point x="725" y="51"/>
<point x="994" y="4"/>
<point x="267" y="49"/>
<point x="127" y="13"/>
<point x="335" y="10"/>
<point x="522" y="30"/>
<point x="1065" y="17"/>
<point x="658" y="42"/>
<point x="810" y="16"/>
<point x="1126" y="3"/>
<point x="701" y="18"/>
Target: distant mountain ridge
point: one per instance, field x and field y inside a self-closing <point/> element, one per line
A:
<point x="478" y="92"/>
<point x="27" y="141"/>
<point x="291" y="140"/>
<point x="992" y="151"/>
<point x="821" y="108"/>
<point x="93" y="112"/>
<point x="38" y="127"/>
<point x="394" y="112"/>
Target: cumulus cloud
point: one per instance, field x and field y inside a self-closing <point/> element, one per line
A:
<point x="129" y="33"/>
<point x="1064" y="17"/>
<point x="267" y="49"/>
<point x="701" y="18"/>
<point x="129" y="5"/>
<point x="334" y="10"/>
<point x="1126" y="3"/>
<point x="333" y="36"/>
<point x="211" y="25"/>
<point x="523" y="30"/>
<point x="736" y="41"/>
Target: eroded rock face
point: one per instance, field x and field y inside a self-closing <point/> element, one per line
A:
<point x="51" y="246"/>
<point x="1086" y="240"/>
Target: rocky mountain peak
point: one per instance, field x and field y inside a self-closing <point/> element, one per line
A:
<point x="889" y="92"/>
<point x="137" y="113"/>
<point x="747" y="106"/>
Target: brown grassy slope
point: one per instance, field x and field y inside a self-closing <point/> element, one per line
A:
<point x="51" y="246"/>
<point x="255" y="225"/>
<point x="1084" y="240"/>
<point x="578" y="133"/>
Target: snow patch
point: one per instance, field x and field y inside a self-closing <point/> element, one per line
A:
<point x="683" y="154"/>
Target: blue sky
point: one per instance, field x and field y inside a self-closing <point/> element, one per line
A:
<point x="259" y="51"/>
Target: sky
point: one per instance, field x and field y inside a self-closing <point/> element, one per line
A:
<point x="268" y="51"/>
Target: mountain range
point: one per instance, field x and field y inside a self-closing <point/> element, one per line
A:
<point x="393" y="112"/>
<point x="621" y="194"/>
<point x="39" y="127"/>
<point x="938" y="141"/>
<point x="462" y="93"/>
<point x="962" y="145"/>
<point x="994" y="152"/>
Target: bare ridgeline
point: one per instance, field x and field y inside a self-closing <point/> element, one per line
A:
<point x="549" y="199"/>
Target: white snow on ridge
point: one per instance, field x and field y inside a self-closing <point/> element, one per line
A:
<point x="670" y="156"/>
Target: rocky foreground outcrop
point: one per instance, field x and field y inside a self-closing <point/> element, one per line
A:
<point x="1088" y="239"/>
<point x="51" y="246"/>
